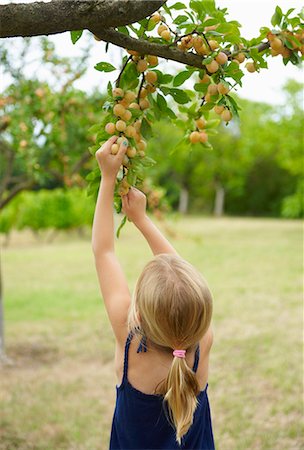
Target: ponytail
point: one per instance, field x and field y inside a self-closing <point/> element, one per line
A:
<point x="180" y="390"/>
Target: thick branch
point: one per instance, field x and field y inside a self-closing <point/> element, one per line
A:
<point x="57" y="16"/>
<point x="147" y="48"/>
<point x="151" y="48"/>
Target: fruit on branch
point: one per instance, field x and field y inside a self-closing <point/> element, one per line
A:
<point x="117" y="92"/>
<point x="221" y="58"/>
<point x="131" y="152"/>
<point x="134" y="106"/>
<point x="127" y="116"/>
<point x="203" y="137"/>
<point x="194" y="137"/>
<point x="218" y="109"/>
<point x="114" y="149"/>
<point x="119" y="110"/>
<point x="129" y="96"/>
<point x="151" y="77"/>
<point x="125" y="161"/>
<point x="144" y="103"/>
<point x="276" y="44"/>
<point x="212" y="67"/>
<point x="151" y="88"/>
<point x="213" y="44"/>
<point x="212" y="89"/>
<point x="161" y="28"/>
<point x="141" y="145"/>
<point x="121" y="125"/>
<point x="142" y="65"/>
<point x="130" y="131"/>
<point x="201" y="123"/>
<point x="226" y="115"/>
<point x="240" y="57"/>
<point x="208" y="98"/>
<point x="250" y="66"/>
<point x="143" y="93"/>
<point x="166" y="35"/>
<point x="110" y="128"/>
<point x="206" y="79"/>
<point x="222" y="89"/>
<point x="187" y="42"/>
<point x="155" y="17"/>
<point x="152" y="60"/>
<point x="197" y="43"/>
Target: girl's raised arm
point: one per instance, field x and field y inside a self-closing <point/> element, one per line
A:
<point x="113" y="284"/>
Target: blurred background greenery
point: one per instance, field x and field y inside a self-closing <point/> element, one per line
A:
<point x="59" y="391"/>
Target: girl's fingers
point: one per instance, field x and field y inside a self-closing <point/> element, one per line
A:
<point x="122" y="149"/>
<point x="106" y="148"/>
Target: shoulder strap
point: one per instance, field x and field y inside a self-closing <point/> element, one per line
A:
<point x="196" y="359"/>
<point x="126" y="357"/>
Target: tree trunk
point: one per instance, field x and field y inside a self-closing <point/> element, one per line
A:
<point x="219" y="200"/>
<point x="183" y="201"/>
<point x="3" y="358"/>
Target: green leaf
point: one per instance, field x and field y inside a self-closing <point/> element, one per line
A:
<point x="289" y="12"/>
<point x="123" y="29"/>
<point x="180" y="19"/>
<point x="163" y="78"/>
<point x="213" y="123"/>
<point x="171" y="113"/>
<point x="131" y="177"/>
<point x="179" y="96"/>
<point x="94" y="128"/>
<point x="167" y="9"/>
<point x="178" y="6"/>
<point x="161" y="103"/>
<point x="197" y="6"/>
<point x="117" y="202"/>
<point x="109" y="89"/>
<point x="75" y="35"/>
<point x="146" y="129"/>
<point x="201" y="87"/>
<point x="104" y="67"/>
<point x="147" y="161"/>
<point x="181" y="77"/>
<point x="122" y="224"/>
<point x="277" y="17"/>
<point x="129" y="78"/>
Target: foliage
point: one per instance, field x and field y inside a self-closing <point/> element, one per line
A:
<point x="43" y="138"/>
<point x="144" y="95"/>
<point x="59" y="209"/>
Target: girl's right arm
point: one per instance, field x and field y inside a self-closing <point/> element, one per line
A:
<point x="134" y="206"/>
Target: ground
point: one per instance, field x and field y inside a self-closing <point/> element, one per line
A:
<point x="60" y="391"/>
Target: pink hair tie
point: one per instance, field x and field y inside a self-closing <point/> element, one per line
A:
<point x="179" y="353"/>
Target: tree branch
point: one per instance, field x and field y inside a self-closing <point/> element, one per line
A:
<point x="147" y="48"/>
<point x="18" y="188"/>
<point x="151" y="48"/>
<point x="57" y="16"/>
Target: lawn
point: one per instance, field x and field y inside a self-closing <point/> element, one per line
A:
<point x="60" y="391"/>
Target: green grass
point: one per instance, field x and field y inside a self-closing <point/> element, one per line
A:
<point x="60" y="392"/>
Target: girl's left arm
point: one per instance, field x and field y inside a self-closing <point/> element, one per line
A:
<point x="113" y="284"/>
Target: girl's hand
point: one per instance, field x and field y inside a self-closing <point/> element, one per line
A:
<point x="109" y="164"/>
<point x="134" y="205"/>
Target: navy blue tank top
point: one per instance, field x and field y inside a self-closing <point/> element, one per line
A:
<point x="140" y="422"/>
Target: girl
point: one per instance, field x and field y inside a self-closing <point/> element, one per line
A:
<point x="161" y="396"/>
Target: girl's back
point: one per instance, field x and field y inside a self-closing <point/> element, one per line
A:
<point x="146" y="369"/>
<point x="139" y="420"/>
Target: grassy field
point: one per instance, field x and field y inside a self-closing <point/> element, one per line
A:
<point x="60" y="391"/>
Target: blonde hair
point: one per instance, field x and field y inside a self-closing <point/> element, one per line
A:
<point x="172" y="307"/>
